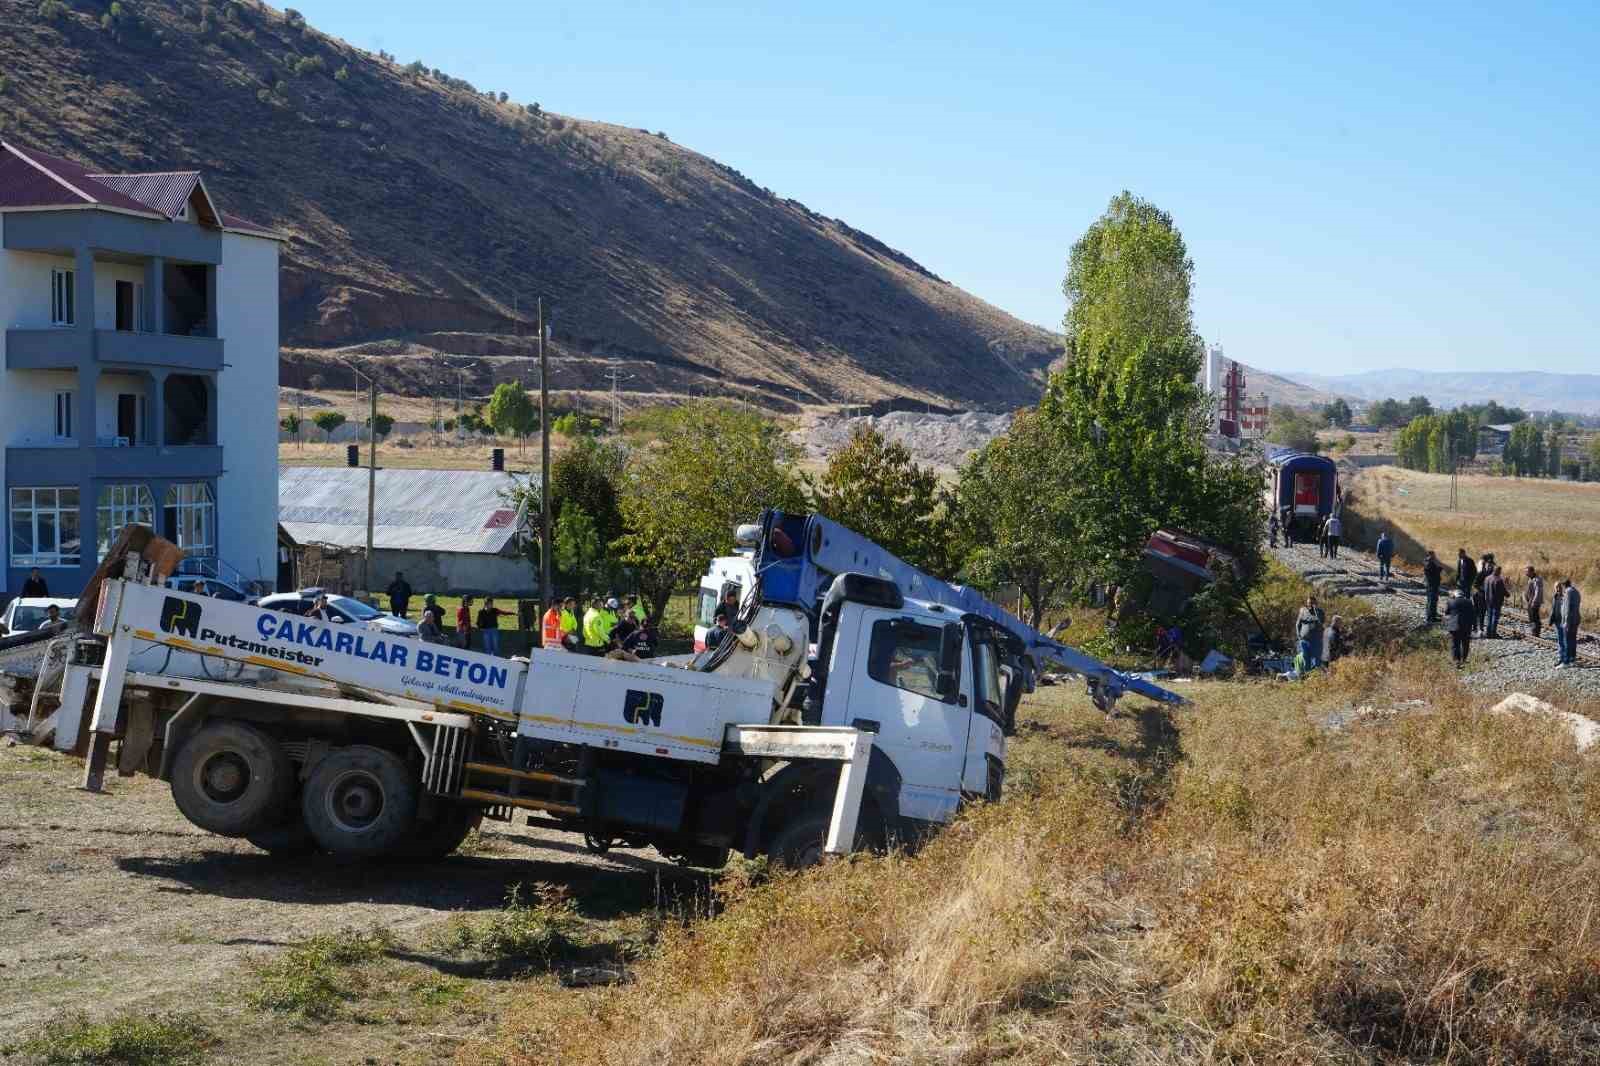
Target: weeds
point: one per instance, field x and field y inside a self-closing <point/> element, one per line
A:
<point x="314" y="977"/>
<point x="1236" y="883"/>
<point x="542" y="925"/>
<point x="128" y="1039"/>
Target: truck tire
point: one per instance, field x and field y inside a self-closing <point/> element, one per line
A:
<point x="288" y="838"/>
<point x="360" y="801"/>
<point x="232" y="779"/>
<point x="442" y="836"/>
<point x="799" y="843"/>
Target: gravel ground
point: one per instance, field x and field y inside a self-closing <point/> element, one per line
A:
<point x="1495" y="667"/>
<point x="939" y="441"/>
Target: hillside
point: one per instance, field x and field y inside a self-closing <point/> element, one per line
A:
<point x="1531" y="390"/>
<point x="420" y="209"/>
<point x="1281" y="390"/>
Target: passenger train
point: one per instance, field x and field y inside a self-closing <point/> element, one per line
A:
<point x="1303" y="486"/>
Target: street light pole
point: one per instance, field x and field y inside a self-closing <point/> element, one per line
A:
<point x="545" y="592"/>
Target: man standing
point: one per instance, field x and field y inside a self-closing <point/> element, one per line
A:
<point x="550" y="629"/>
<point x="464" y="623"/>
<point x="1272" y="530"/>
<point x="1494" y="597"/>
<point x="1533" y="598"/>
<point x="1558" y="596"/>
<point x="1385" y="556"/>
<point x="1571" y="614"/>
<point x="593" y="635"/>
<point x="1432" y="575"/>
<point x="1335" y="528"/>
<point x="1458" y="623"/>
<point x="570" y="634"/>
<point x="1308" y="630"/>
<point x="399" y="594"/>
<point x="489" y="625"/>
<point x="34" y="587"/>
<point x="1466" y="572"/>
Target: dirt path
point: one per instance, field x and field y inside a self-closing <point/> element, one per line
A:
<point x="112" y="902"/>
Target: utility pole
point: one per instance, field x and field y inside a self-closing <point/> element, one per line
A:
<point x="545" y="592"/>
<point x="372" y="472"/>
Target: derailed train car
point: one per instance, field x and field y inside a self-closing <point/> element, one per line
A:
<point x="1303" y="486"/>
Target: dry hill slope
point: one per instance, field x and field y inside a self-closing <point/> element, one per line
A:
<point x="418" y="204"/>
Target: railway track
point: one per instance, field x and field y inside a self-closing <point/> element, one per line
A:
<point x="1355" y="573"/>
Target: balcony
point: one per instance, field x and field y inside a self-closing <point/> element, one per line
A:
<point x="158" y="350"/>
<point x="64" y="465"/>
<point x="61" y="348"/>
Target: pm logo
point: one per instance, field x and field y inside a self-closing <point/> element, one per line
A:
<point x="181" y="617"/>
<point x="642" y="707"/>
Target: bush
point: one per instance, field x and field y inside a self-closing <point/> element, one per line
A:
<point x="343" y="73"/>
<point x="51" y="10"/>
<point x="541" y="927"/>
<point x="129" y="1039"/>
<point x="312" y="978"/>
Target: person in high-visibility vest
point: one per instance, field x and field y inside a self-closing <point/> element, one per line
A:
<point x="636" y="607"/>
<point x="569" y="618"/>
<point x="550" y="628"/>
<point x="595" y="632"/>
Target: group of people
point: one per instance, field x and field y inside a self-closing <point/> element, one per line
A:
<point x="1327" y="534"/>
<point x="1318" y="641"/>
<point x="1477" y="601"/>
<point x="619" y="628"/>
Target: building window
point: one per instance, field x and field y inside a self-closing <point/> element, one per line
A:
<point x="120" y="505"/>
<point x="63" y="305"/>
<point x="44" y="527"/>
<point x="63" y="415"/>
<point x="191" y="518"/>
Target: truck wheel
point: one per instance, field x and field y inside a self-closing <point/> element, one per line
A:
<point x="232" y="779"/>
<point x="360" y="801"/>
<point x="799" y="843"/>
<point x="288" y="838"/>
<point x="442" y="836"/>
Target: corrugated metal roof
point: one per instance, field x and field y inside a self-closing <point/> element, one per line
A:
<point x="166" y="193"/>
<point x="35" y="179"/>
<point x="431" y="510"/>
<point x="74" y="177"/>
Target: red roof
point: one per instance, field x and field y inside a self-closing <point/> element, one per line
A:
<point x="30" y="178"/>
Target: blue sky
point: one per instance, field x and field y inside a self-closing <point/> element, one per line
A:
<point x="1360" y="187"/>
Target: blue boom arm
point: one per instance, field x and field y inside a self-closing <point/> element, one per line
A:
<point x="800" y="555"/>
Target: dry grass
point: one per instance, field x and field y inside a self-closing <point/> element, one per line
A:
<point x="1555" y="525"/>
<point x="419" y="453"/>
<point x="1236" y="883"/>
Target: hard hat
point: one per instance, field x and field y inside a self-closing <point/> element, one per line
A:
<point x="611" y="604"/>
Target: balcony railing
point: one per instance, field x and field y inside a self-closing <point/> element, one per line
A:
<point x="48" y="465"/>
<point x="62" y="348"/>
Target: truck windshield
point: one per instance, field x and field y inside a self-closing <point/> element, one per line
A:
<point x="353" y="609"/>
<point x="705" y="613"/>
<point x="987" y="698"/>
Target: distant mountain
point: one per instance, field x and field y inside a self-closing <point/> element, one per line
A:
<point x="1530" y="390"/>
<point x="425" y="215"/>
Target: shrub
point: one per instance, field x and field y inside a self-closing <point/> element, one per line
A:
<point x="293" y="17"/>
<point x="312" y="978"/>
<point x="343" y="73"/>
<point x="540" y="927"/>
<point x="128" y="1039"/>
<point x="51" y="10"/>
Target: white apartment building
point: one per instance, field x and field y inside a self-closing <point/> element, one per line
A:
<point x="141" y="369"/>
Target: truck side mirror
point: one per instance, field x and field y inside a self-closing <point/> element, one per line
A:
<point x="946" y="684"/>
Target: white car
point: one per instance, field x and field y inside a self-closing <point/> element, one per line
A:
<point x="26" y="615"/>
<point x="341" y="610"/>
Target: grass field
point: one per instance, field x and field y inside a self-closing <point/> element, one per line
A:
<point x="421" y="454"/>
<point x="1554" y="525"/>
<point x="1264" y="877"/>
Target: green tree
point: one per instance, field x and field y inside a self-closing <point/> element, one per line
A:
<point x="380" y="424"/>
<point x="511" y="413"/>
<point x="576" y="549"/>
<point x="588" y="476"/>
<point x="1013" y="513"/>
<point x="290" y="424"/>
<point x="1388" y="414"/>
<point x="1290" y="428"/>
<point x="713" y="467"/>
<point x="1130" y="416"/>
<point x="1338" y="413"/>
<point x="1419" y="406"/>
<point x="873" y="486"/>
<point x="328" y="421"/>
